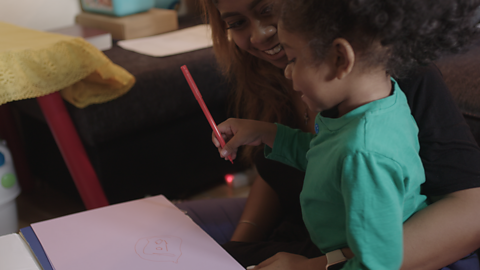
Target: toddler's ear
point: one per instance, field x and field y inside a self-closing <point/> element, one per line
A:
<point x="344" y="57"/>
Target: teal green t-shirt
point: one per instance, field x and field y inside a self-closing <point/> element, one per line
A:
<point x="362" y="181"/>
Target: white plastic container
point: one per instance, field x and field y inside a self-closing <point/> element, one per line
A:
<point x="9" y="190"/>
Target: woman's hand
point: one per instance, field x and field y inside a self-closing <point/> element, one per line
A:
<point x="238" y="132"/>
<point x="289" y="261"/>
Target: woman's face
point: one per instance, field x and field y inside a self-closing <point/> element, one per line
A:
<point x="253" y="27"/>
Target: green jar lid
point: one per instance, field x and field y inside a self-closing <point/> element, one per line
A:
<point x="8" y="180"/>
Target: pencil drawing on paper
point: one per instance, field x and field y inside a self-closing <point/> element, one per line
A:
<point x="166" y="248"/>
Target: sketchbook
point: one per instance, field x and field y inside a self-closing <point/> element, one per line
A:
<point x="28" y="235"/>
<point x="145" y="234"/>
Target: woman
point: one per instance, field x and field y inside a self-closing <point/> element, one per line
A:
<point x="248" y="51"/>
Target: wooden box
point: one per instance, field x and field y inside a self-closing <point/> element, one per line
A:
<point x="153" y="22"/>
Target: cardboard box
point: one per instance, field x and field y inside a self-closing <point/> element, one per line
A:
<point x="97" y="37"/>
<point x="153" y="22"/>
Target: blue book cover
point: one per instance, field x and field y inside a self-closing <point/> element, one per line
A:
<point x="32" y="240"/>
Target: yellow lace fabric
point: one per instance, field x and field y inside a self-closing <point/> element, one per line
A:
<point x="35" y="63"/>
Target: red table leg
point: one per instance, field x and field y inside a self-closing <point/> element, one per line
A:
<point x="72" y="150"/>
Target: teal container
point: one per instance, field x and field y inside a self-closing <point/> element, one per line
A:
<point x="166" y="4"/>
<point x="117" y="8"/>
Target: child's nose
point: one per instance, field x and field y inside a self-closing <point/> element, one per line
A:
<point x="288" y="72"/>
<point x="261" y="33"/>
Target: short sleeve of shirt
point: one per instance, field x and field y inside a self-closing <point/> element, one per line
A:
<point x="373" y="222"/>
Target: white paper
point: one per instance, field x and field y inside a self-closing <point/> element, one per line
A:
<point x="15" y="254"/>
<point x="145" y="234"/>
<point x="171" y="43"/>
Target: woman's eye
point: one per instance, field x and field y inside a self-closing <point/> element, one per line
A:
<point x="235" y="24"/>
<point x="291" y="61"/>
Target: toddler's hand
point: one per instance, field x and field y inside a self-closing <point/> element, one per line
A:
<point x="238" y="132"/>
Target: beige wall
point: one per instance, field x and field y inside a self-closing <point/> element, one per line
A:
<point x="39" y="14"/>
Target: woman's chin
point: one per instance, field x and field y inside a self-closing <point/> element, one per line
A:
<point x="279" y="60"/>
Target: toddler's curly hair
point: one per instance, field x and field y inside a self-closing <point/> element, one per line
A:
<point x="410" y="32"/>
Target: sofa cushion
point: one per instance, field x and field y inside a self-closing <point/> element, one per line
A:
<point x="461" y="73"/>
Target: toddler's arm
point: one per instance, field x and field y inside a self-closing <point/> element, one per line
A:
<point x="238" y="132"/>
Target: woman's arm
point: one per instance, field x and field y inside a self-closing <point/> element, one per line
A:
<point x="262" y="209"/>
<point x="443" y="232"/>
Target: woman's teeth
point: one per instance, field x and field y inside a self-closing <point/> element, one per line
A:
<point x="275" y="50"/>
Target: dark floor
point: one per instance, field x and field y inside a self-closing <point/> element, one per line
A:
<point x="43" y="202"/>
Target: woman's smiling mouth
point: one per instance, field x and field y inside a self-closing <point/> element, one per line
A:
<point x="274" y="50"/>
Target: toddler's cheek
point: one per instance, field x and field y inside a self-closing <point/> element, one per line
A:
<point x="311" y="104"/>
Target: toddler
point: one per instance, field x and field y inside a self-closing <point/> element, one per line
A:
<point x="363" y="170"/>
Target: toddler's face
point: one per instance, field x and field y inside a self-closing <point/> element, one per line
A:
<point x="253" y="27"/>
<point x="313" y="80"/>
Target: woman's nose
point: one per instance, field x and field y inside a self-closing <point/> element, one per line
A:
<point x="262" y="33"/>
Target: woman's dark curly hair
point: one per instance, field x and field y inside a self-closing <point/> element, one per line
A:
<point x="411" y="32"/>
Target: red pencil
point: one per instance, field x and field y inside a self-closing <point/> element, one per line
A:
<point x="205" y="110"/>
